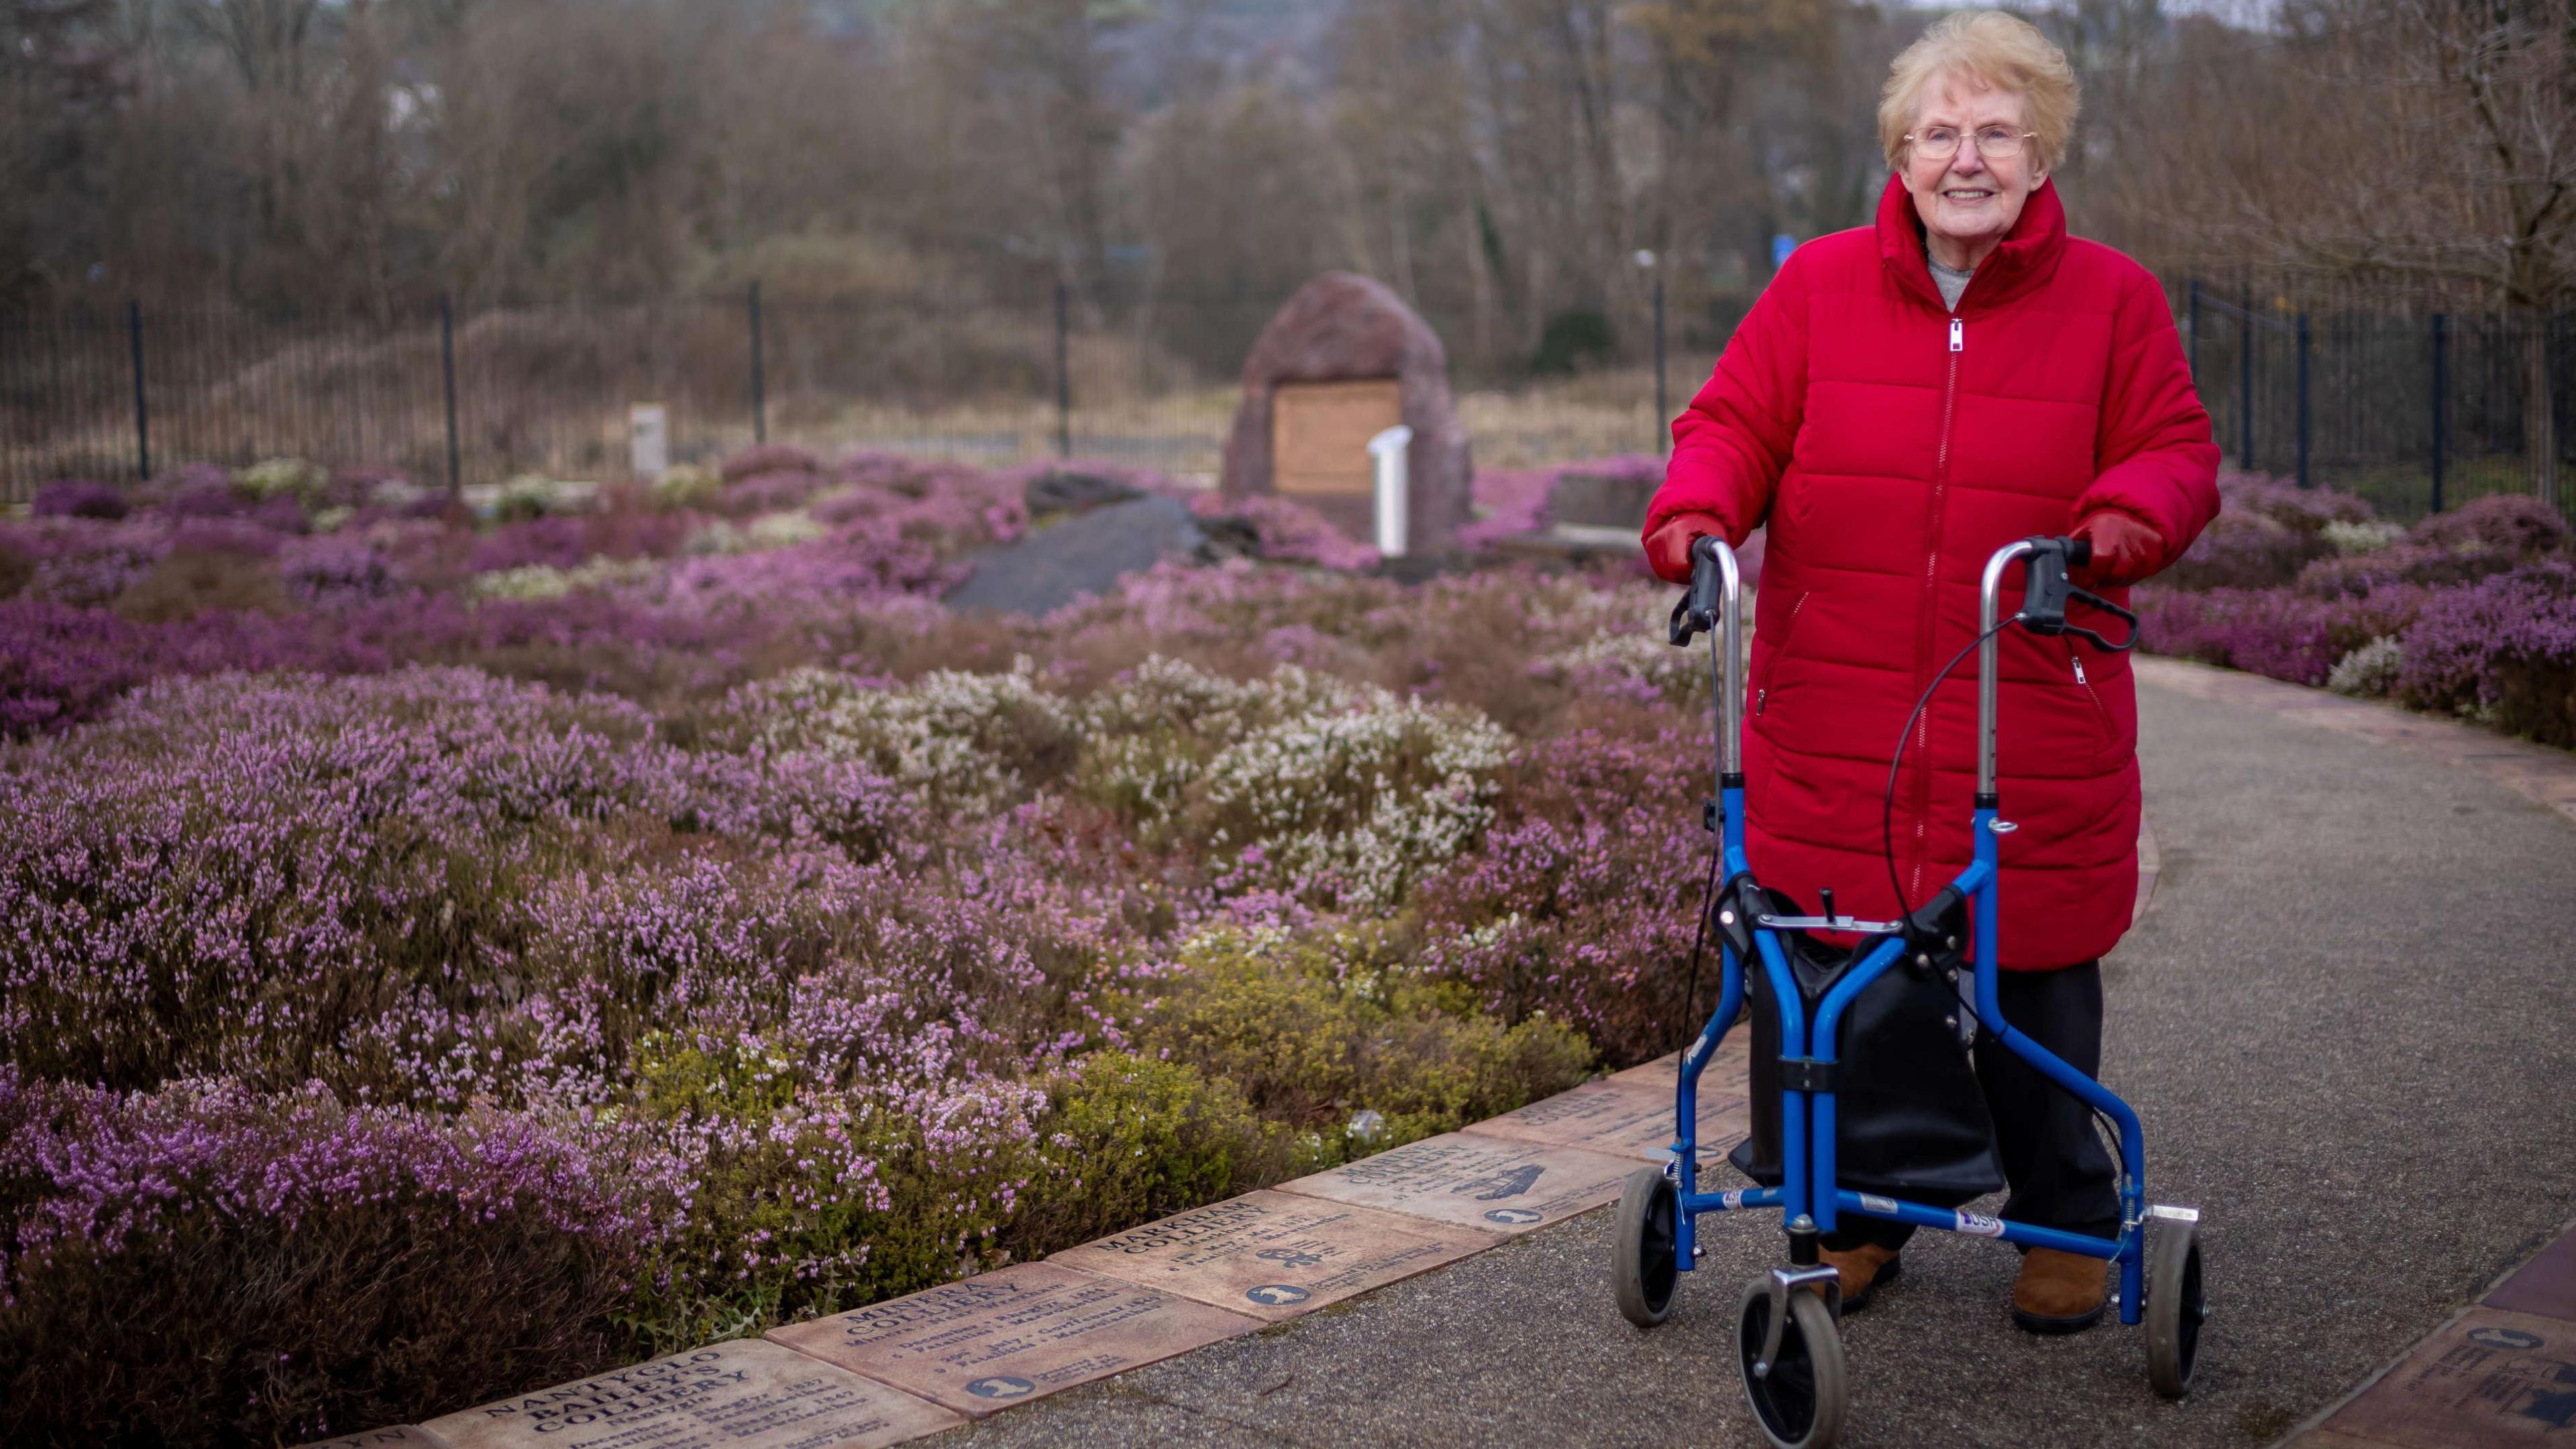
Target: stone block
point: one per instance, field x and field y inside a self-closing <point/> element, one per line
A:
<point x="746" y="1394"/>
<point x="1276" y="1255"/>
<point x="2489" y="1378"/>
<point x="1489" y="1183"/>
<point x="1001" y="1338"/>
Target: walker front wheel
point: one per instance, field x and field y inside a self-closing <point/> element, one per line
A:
<point x="1802" y="1398"/>
<point x="1645" y="1262"/>
<point x="2175" y="1308"/>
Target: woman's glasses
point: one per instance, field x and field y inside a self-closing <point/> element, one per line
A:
<point x="1940" y="143"/>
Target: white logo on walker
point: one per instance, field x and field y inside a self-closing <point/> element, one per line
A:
<point x="1878" y="1204"/>
<point x="1977" y="1226"/>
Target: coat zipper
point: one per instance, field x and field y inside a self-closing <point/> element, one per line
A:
<point x="1771" y="657"/>
<point x="1932" y="604"/>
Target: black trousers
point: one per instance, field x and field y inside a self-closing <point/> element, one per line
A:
<point x="2060" y="1172"/>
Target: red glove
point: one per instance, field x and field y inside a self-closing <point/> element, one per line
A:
<point x="1668" y="548"/>
<point x="2125" y="551"/>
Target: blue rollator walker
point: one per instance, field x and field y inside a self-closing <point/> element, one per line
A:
<point x="1788" y="1347"/>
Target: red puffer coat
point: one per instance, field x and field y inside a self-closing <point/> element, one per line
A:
<point x="1893" y="446"/>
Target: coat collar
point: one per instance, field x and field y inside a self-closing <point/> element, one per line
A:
<point x="2027" y="258"/>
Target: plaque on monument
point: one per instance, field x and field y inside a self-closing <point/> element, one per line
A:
<point x="400" y="1436"/>
<point x="1478" y="1182"/>
<point x="1004" y="1337"/>
<point x="747" y="1394"/>
<point x="2490" y="1377"/>
<point x="1320" y="431"/>
<point x="1342" y="362"/>
<point x="1274" y="1254"/>
<point x="1627" y="1118"/>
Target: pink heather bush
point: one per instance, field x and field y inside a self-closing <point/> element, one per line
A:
<point x="1579" y="903"/>
<point x="424" y="984"/>
<point x="2272" y="631"/>
<point x="2506" y="646"/>
<point x="2466" y="612"/>
<point x="79" y="498"/>
<point x="769" y="458"/>
<point x="208" y="1264"/>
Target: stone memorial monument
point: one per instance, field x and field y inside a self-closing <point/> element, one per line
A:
<point x="1343" y="361"/>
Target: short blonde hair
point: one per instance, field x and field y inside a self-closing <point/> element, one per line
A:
<point x="1993" y="49"/>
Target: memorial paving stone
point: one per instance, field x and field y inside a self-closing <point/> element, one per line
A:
<point x="1276" y="1255"/>
<point x="2546" y="1285"/>
<point x="747" y="1394"/>
<point x="1628" y="1118"/>
<point x="400" y="1436"/>
<point x="1014" y="1334"/>
<point x="1490" y="1183"/>
<point x="2490" y="1378"/>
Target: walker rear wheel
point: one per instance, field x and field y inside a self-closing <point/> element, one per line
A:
<point x="1802" y="1400"/>
<point x="2175" y="1308"/>
<point x="1645" y="1261"/>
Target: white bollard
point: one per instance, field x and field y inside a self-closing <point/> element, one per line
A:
<point x="1386" y="450"/>
<point x="648" y="437"/>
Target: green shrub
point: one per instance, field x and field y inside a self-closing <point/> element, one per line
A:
<point x="1315" y="1030"/>
<point x="1129" y="1139"/>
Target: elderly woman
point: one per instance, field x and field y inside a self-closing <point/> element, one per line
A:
<point x="1906" y="398"/>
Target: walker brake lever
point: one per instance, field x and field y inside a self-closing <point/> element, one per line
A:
<point x="2047" y="592"/>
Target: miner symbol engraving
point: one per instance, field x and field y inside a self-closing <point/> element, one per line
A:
<point x="1502" y="1184"/>
<point x="1001" y="1386"/>
<point x="1292" y="1257"/>
<point x="1277" y="1295"/>
<point x="1514" y="1216"/>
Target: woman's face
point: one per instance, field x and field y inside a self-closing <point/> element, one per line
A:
<point x="1968" y="200"/>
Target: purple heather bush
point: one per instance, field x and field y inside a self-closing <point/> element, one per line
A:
<point x="209" y="1264"/>
<point x="2505" y="646"/>
<point x="740" y="936"/>
<point x="80" y="498"/>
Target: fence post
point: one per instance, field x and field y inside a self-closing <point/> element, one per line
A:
<point x="2245" y="378"/>
<point x="447" y="377"/>
<point x="1663" y="408"/>
<point x="759" y="383"/>
<point x="142" y="416"/>
<point x="2195" y="329"/>
<point x="2303" y="399"/>
<point x="2441" y="400"/>
<point x="1063" y="380"/>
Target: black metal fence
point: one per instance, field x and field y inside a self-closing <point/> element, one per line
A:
<point x="2417" y="411"/>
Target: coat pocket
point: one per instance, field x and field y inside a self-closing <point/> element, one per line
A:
<point x="2106" y="732"/>
<point x="1772" y="649"/>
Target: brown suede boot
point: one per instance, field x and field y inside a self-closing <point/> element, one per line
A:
<point x="1862" y="1269"/>
<point x="2058" y="1292"/>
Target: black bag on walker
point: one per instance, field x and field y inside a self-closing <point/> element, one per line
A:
<point x="1910" y="1119"/>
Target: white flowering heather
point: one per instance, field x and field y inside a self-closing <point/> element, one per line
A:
<point x="2361" y="535"/>
<point x="544" y="581"/>
<point x="2371" y="671"/>
<point x="290" y="477"/>
<point x="1352" y="807"/>
<point x="1641" y="665"/>
<point x="959" y="738"/>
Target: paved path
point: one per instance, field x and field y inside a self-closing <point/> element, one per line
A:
<point x="2350" y="1023"/>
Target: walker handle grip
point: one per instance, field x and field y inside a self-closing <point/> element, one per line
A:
<point x="2047" y="593"/>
